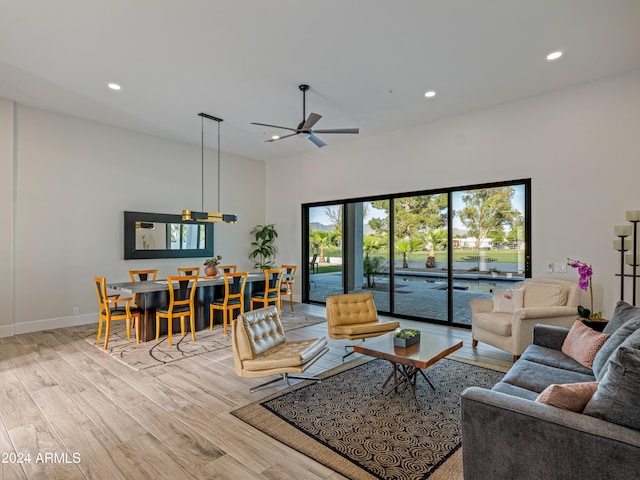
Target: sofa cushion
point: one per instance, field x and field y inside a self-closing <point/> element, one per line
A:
<point x="513" y="390"/>
<point x="544" y="295"/>
<point x="499" y="323"/>
<point x="621" y="315"/>
<point x="569" y="396"/>
<point x="612" y="343"/>
<point x="553" y="358"/>
<point x="583" y="343"/>
<point x="536" y="377"/>
<point x="618" y="395"/>
<point x="506" y="301"/>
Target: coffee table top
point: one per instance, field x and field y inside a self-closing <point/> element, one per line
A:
<point x="428" y="351"/>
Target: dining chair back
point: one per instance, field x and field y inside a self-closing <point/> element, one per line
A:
<point x="234" y="286"/>
<point x="288" y="277"/>
<point x="271" y="292"/>
<point x="110" y="309"/>
<point x="142" y="275"/>
<point x="182" y="290"/>
<point x="189" y="271"/>
<point x="313" y="264"/>
<point x="228" y="268"/>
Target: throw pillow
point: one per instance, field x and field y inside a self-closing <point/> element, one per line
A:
<point x="618" y="395"/>
<point x="614" y="341"/>
<point x="621" y="315"/>
<point x="568" y="396"/>
<point x="544" y="295"/>
<point x="582" y="343"/>
<point x="507" y="301"/>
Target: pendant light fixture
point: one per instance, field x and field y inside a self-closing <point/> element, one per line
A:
<point x="191" y="216"/>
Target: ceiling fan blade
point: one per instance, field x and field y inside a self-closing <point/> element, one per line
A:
<point x="316" y="141"/>
<point x="280" y="138"/>
<point x="338" y="130"/>
<point x="273" y="126"/>
<point x="312" y="119"/>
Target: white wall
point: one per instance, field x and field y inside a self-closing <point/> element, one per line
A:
<point x="74" y="180"/>
<point x="580" y="146"/>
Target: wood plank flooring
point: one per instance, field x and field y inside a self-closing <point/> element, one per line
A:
<point x="79" y="414"/>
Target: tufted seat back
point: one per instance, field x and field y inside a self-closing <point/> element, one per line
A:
<point x="262" y="332"/>
<point x="352" y="308"/>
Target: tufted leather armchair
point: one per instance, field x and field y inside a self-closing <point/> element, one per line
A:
<point x="261" y="349"/>
<point x="354" y="316"/>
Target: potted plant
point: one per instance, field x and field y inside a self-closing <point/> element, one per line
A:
<point x="211" y="266"/>
<point x="588" y="316"/>
<point x="406" y="337"/>
<point x="264" y="249"/>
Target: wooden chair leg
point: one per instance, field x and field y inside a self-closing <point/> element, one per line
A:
<point x="169" y="330"/>
<point x="128" y="322"/>
<point x="107" y="332"/>
<point x="99" y="331"/>
<point x="474" y="342"/>
<point x="157" y="327"/>
<point x="137" y="320"/>
<point x="515" y="358"/>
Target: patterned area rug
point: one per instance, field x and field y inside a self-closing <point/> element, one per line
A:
<point x="151" y="354"/>
<point x="345" y="423"/>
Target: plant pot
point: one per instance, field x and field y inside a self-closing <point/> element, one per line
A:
<point x="406" y="342"/>
<point x="211" y="271"/>
<point x="597" y="324"/>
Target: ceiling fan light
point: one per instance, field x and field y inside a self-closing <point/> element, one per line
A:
<point x="554" y="55"/>
<point x="430" y="94"/>
<point x="275" y="137"/>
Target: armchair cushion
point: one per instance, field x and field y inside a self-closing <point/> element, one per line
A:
<point x="354" y="315"/>
<point x="544" y="295"/>
<point x="499" y="323"/>
<point x="506" y="301"/>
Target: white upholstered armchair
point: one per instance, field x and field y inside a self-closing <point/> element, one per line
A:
<point x="506" y="321"/>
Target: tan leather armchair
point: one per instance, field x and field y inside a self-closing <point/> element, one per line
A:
<point x="261" y="349"/>
<point x="354" y="316"/>
<point x="546" y="301"/>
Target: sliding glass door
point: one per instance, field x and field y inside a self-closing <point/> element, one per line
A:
<point x="422" y="255"/>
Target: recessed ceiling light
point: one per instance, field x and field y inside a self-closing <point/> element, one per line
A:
<point x="114" y="86"/>
<point x="430" y="94"/>
<point x="554" y="55"/>
<point x="275" y="137"/>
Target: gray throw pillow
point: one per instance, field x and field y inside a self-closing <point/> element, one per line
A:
<point x="617" y="398"/>
<point x="621" y="315"/>
<point x="613" y="342"/>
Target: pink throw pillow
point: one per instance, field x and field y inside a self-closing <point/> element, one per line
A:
<point x="569" y="396"/>
<point x="582" y="343"/>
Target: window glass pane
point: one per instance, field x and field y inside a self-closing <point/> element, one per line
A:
<point x="325" y="249"/>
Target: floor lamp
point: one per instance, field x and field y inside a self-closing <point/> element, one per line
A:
<point x="624" y="244"/>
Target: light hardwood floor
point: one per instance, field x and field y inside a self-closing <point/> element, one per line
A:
<point x="81" y="414"/>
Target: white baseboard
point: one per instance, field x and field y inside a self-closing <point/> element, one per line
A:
<point x="48" y="324"/>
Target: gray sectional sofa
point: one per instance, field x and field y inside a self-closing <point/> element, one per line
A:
<point x="507" y="435"/>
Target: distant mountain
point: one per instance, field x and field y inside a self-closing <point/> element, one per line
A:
<point x="320" y="227"/>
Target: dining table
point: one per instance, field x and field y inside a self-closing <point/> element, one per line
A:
<point x="152" y="294"/>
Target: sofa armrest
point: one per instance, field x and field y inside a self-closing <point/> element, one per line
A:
<point x="549" y="336"/>
<point x="507" y="437"/>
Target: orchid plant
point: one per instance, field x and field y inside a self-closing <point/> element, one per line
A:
<point x="584" y="282"/>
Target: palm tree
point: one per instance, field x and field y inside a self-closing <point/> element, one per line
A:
<point x="323" y="240"/>
<point x="406" y="246"/>
<point x="434" y="238"/>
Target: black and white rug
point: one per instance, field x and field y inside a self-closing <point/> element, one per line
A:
<point x="347" y="424"/>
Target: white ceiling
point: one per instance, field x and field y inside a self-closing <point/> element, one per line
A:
<point x="368" y="62"/>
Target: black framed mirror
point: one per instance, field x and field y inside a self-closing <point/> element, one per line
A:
<point x="163" y="235"/>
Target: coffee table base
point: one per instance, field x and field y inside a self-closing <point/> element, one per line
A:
<point x="408" y="376"/>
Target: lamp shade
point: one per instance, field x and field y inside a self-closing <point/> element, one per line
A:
<point x="622" y="230"/>
<point x="618" y="245"/>
<point x="629" y="260"/>
<point x="633" y="215"/>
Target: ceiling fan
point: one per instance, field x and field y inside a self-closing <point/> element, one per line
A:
<point x="306" y="126"/>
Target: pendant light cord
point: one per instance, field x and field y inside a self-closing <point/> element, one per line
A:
<point x="219" y="166"/>
<point x="202" y="162"/>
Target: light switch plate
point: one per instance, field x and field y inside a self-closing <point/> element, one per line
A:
<point x="561" y="268"/>
<point x="549" y="267"/>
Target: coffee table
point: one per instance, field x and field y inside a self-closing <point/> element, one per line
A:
<point x="408" y="362"/>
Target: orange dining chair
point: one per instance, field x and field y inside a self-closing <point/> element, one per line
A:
<point x="289" y="272"/>
<point x="141" y="276"/>
<point x="272" y="286"/>
<point x="181" y="304"/>
<point x="234" y="284"/>
<point x="110" y="310"/>
<point x="189" y="271"/>
<point x="228" y="268"/>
